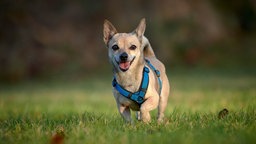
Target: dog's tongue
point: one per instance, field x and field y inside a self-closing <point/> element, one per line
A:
<point x="124" y="65"/>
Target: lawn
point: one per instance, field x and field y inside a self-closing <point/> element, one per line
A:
<point x="84" y="111"/>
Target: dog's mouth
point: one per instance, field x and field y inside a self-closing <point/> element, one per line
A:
<point x="125" y="65"/>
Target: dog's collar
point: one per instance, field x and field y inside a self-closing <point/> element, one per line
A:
<point x="140" y="94"/>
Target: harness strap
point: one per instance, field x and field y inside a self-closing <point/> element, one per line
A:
<point x="157" y="72"/>
<point x="140" y="94"/>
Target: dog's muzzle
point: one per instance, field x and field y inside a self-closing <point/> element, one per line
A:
<point x="123" y="57"/>
<point x="124" y="63"/>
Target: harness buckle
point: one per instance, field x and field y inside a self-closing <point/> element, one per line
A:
<point x="139" y="99"/>
<point x="130" y="95"/>
<point x="157" y="73"/>
<point x="146" y="69"/>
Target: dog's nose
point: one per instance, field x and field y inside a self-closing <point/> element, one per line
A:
<point x="123" y="56"/>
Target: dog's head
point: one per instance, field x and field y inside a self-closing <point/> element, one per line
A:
<point x="124" y="49"/>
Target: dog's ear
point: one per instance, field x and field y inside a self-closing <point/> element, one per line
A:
<point x="141" y="28"/>
<point x="108" y="31"/>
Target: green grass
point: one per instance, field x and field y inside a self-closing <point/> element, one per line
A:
<point x="85" y="111"/>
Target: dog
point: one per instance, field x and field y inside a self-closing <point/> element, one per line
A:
<point x="140" y="81"/>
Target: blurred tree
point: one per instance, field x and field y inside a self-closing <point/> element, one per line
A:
<point x="43" y="38"/>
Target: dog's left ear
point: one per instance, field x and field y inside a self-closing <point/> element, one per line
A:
<point x="108" y="31"/>
<point x="141" y="28"/>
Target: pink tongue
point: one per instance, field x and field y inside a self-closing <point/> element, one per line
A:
<point x="124" y="65"/>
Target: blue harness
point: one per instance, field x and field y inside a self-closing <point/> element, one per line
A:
<point x="140" y="94"/>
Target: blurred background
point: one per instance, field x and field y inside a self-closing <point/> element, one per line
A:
<point x="42" y="39"/>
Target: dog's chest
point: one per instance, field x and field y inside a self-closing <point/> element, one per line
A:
<point x="128" y="103"/>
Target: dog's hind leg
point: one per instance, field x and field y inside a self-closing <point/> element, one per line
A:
<point x="163" y="100"/>
<point x="161" y="109"/>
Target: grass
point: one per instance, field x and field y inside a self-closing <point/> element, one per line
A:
<point x="84" y="111"/>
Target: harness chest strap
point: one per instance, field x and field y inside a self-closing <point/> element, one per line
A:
<point x="140" y="94"/>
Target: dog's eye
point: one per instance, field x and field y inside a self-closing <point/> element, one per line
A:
<point x="115" y="47"/>
<point x="133" y="47"/>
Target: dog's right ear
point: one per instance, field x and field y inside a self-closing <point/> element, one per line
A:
<point x="141" y="28"/>
<point x="108" y="31"/>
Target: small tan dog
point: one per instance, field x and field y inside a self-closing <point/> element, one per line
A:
<point x="140" y="82"/>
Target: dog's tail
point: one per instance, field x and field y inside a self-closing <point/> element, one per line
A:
<point x="147" y="49"/>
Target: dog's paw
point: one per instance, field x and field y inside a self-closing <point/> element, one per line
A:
<point x="160" y="120"/>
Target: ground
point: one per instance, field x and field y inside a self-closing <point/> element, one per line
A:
<point x="84" y="111"/>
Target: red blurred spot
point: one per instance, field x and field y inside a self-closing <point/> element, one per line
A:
<point x="57" y="139"/>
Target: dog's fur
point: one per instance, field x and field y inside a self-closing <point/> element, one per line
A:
<point x="127" y="53"/>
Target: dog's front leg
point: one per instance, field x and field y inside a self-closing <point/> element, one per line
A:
<point x="138" y="115"/>
<point x="150" y="104"/>
<point x="125" y="112"/>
